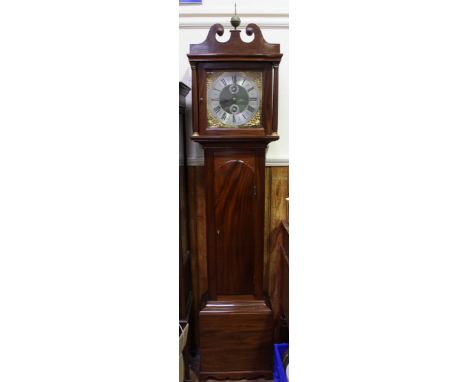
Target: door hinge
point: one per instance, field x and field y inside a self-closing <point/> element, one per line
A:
<point x="254" y="190"/>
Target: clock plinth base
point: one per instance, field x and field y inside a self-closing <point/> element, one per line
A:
<point x="236" y="339"/>
<point x="235" y="375"/>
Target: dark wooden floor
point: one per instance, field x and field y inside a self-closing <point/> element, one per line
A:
<point x="195" y="379"/>
<point x="242" y="380"/>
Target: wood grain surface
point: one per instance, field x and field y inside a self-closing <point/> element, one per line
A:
<point x="234" y="205"/>
<point x="236" y="339"/>
<point x="276" y="210"/>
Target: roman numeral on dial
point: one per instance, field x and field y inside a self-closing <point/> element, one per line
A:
<point x="217" y="109"/>
<point x="250" y="108"/>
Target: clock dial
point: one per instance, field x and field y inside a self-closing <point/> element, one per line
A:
<point x="234" y="99"/>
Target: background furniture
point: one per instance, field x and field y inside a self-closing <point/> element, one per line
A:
<point x="284" y="281"/>
<point x="185" y="277"/>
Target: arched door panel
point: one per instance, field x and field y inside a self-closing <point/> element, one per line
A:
<point x="235" y="209"/>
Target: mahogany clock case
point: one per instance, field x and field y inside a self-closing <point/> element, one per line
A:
<point x="266" y="123"/>
<point x="235" y="319"/>
<point x="235" y="55"/>
<point x="235" y="208"/>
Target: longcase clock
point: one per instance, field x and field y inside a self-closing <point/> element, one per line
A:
<point x="235" y="109"/>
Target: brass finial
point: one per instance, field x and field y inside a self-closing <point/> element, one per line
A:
<point x="235" y="20"/>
